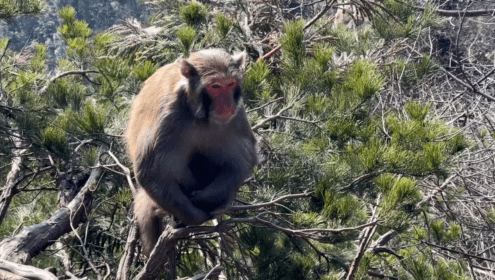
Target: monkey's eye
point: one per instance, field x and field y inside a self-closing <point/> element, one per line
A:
<point x="215" y="86"/>
<point x="231" y="84"/>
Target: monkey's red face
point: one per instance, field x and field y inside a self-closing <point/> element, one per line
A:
<point x="223" y="101"/>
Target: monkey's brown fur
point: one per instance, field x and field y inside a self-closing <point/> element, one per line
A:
<point x="187" y="159"/>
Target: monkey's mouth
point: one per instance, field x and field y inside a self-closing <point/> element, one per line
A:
<point x="223" y="119"/>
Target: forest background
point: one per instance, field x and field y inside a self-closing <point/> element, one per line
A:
<point x="375" y="122"/>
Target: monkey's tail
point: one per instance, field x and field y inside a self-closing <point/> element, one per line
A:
<point x="149" y="219"/>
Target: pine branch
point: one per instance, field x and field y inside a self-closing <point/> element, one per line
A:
<point x="308" y="25"/>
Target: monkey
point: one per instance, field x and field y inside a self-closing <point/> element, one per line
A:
<point x="190" y="141"/>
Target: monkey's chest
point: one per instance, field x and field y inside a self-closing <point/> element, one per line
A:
<point x="204" y="170"/>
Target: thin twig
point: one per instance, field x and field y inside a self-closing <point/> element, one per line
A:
<point x="126" y="170"/>
<point x="268" y="204"/>
<point x="72" y="72"/>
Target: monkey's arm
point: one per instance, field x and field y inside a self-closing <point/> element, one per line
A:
<point x="220" y="192"/>
<point x="234" y="170"/>
<point x="160" y="174"/>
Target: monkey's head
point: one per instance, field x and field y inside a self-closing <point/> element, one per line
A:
<point x="214" y="79"/>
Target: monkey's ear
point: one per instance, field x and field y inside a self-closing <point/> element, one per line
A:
<point x="187" y="69"/>
<point x="240" y="60"/>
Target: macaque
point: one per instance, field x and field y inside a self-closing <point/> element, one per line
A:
<point x="190" y="141"/>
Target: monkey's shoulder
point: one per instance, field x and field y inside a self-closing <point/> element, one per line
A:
<point x="164" y="80"/>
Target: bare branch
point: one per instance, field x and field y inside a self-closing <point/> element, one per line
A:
<point x="367" y="235"/>
<point x="126" y="170"/>
<point x="459" y="13"/>
<point x="435" y="193"/>
<point x="27" y="271"/>
<point x="33" y="239"/>
<point x="73" y="72"/>
<point x="129" y="251"/>
<point x="267" y="204"/>
<point x="312" y="233"/>
<point x="269" y="119"/>
<point x="11" y="182"/>
<point x="264" y="105"/>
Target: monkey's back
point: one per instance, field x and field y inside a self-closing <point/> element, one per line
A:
<point x="147" y="107"/>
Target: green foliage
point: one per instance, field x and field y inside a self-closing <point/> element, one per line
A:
<point x="55" y="140"/>
<point x="89" y="157"/>
<point x="75" y="33"/>
<point x="67" y="14"/>
<point x="186" y="36"/>
<point x="92" y="118"/>
<point x="323" y="53"/>
<point x="256" y="82"/>
<point x="402" y="20"/>
<point x="411" y="73"/>
<point x="223" y="24"/>
<point x="194" y="13"/>
<point x="358" y="158"/>
<point x="14" y="8"/>
<point x="3" y="43"/>
<point x="72" y="28"/>
<point x="38" y="62"/>
<point x="144" y="71"/>
<point x="103" y="41"/>
<point x="364" y="80"/>
<point x="292" y="42"/>
<point x="65" y="93"/>
<point x="341" y="208"/>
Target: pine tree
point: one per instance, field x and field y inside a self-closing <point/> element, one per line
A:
<point x="344" y="169"/>
<point x="15" y="8"/>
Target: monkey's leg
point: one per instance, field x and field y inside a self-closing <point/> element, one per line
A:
<point x="149" y="220"/>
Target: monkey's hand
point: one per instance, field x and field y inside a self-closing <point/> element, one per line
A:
<point x="209" y="201"/>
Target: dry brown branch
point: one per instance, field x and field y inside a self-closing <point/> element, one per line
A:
<point x="129" y="251"/>
<point x="271" y="118"/>
<point x="30" y="241"/>
<point x="159" y="255"/>
<point x="366" y="235"/>
<point x="311" y="233"/>
<point x="5" y="275"/>
<point x="72" y="72"/>
<point x="126" y="170"/>
<point x="485" y="273"/>
<point x="11" y="182"/>
<point x="265" y="105"/>
<point x="460" y="252"/>
<point x="436" y="191"/>
<point x="27" y="271"/>
<point x="212" y="274"/>
<point x="170" y="236"/>
<point x="472" y="88"/>
<point x="381" y="276"/>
